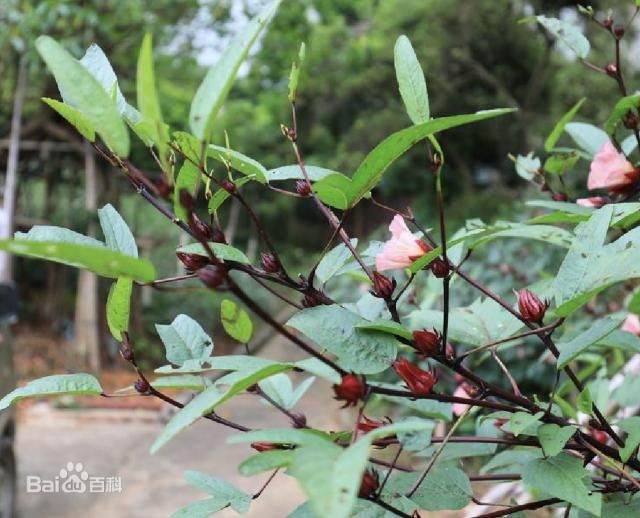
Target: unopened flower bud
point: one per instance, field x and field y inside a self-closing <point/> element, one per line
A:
<point x="142" y="386"/>
<point x="217" y="236"/>
<point x="559" y="196"/>
<point x="299" y="420"/>
<point x="611" y="70"/>
<point x="531" y="307"/>
<point x="607" y="23"/>
<point x="351" y="389"/>
<point x="265" y="446"/>
<point x="186" y="199"/>
<point x="383" y="286"/>
<point x="618" y="31"/>
<point x="212" y="276"/>
<point x="163" y="187"/>
<point x="228" y="186"/>
<point x="310" y="301"/>
<point x="127" y="354"/>
<point x="440" y="268"/>
<point x="630" y="120"/>
<point x="270" y="263"/>
<point x="303" y="188"/>
<point x="418" y="381"/>
<point x="427" y="342"/>
<point x="199" y="227"/>
<point x="192" y="262"/>
<point x="369" y="484"/>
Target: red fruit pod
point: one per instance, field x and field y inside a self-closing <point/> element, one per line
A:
<point x="270" y="263"/>
<point x="303" y="188"/>
<point x="369" y="485"/>
<point x="440" y="268"/>
<point x="427" y="343"/>
<point x="199" y="227"/>
<point x="192" y="262"/>
<point x="351" y="389"/>
<point x="418" y="381"/>
<point x="213" y="275"/>
<point x="531" y="308"/>
<point x="383" y="286"/>
<point x="366" y="424"/>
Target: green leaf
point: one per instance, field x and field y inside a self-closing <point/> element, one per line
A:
<point x="239" y="162"/>
<point x="208" y="400"/>
<point x="387" y="326"/>
<point x="201" y="508"/>
<point x="148" y="102"/>
<point x="553" y="438"/>
<point x="213" y="90"/>
<point x="73" y="117"/>
<point x="370" y="171"/>
<point x="52" y="386"/>
<point x="333" y="261"/>
<point x="221" y="251"/>
<point x="59" y="235"/>
<point x="509" y="461"/>
<point x="587" y="268"/>
<point x="562" y="476"/>
<point x="553" y="137"/>
<point x="280" y="389"/>
<point x="84" y="92"/>
<point x="587" y="136"/>
<point x="445" y="487"/>
<point x="454" y="451"/>
<point x="416" y="440"/>
<point x="237" y="499"/>
<point x="620" y="110"/>
<point x="576" y="346"/>
<point x="236" y="321"/>
<point x="334" y="328"/>
<point x="331" y="476"/>
<point x="99" y="260"/>
<point x="523" y="423"/>
<point x="265" y="461"/>
<point x="294" y="76"/>
<point x="413" y="87"/>
<point x="560" y="164"/>
<point x="118" y="306"/>
<point x="293" y="172"/>
<point x="187" y="179"/>
<point x="570" y="35"/>
<point x="293" y="436"/>
<point x="116" y="232"/>
<point x="631" y="426"/>
<point x="184" y="340"/>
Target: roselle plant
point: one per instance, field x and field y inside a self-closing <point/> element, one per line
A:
<point x="403" y="350"/>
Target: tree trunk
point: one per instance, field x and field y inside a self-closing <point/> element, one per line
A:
<point x="11" y="178"/>
<point x="87" y="321"/>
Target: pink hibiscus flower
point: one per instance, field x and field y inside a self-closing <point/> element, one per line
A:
<point x="402" y="249"/>
<point x="610" y="169"/>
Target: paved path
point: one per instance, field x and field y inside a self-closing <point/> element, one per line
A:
<point x="152" y="486"/>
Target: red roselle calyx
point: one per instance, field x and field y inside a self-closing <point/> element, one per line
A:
<point x="127" y="354"/>
<point x="383" y="286"/>
<point x="618" y="31"/>
<point x="531" y="307"/>
<point x="303" y="188"/>
<point x="418" y="381"/>
<point x="366" y="425"/>
<point x="351" y="389"/>
<point x="369" y="484"/>
<point x="310" y="301"/>
<point x="427" y="342"/>
<point x="192" y="262"/>
<point x="269" y="263"/>
<point x="440" y="268"/>
<point x="212" y="276"/>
